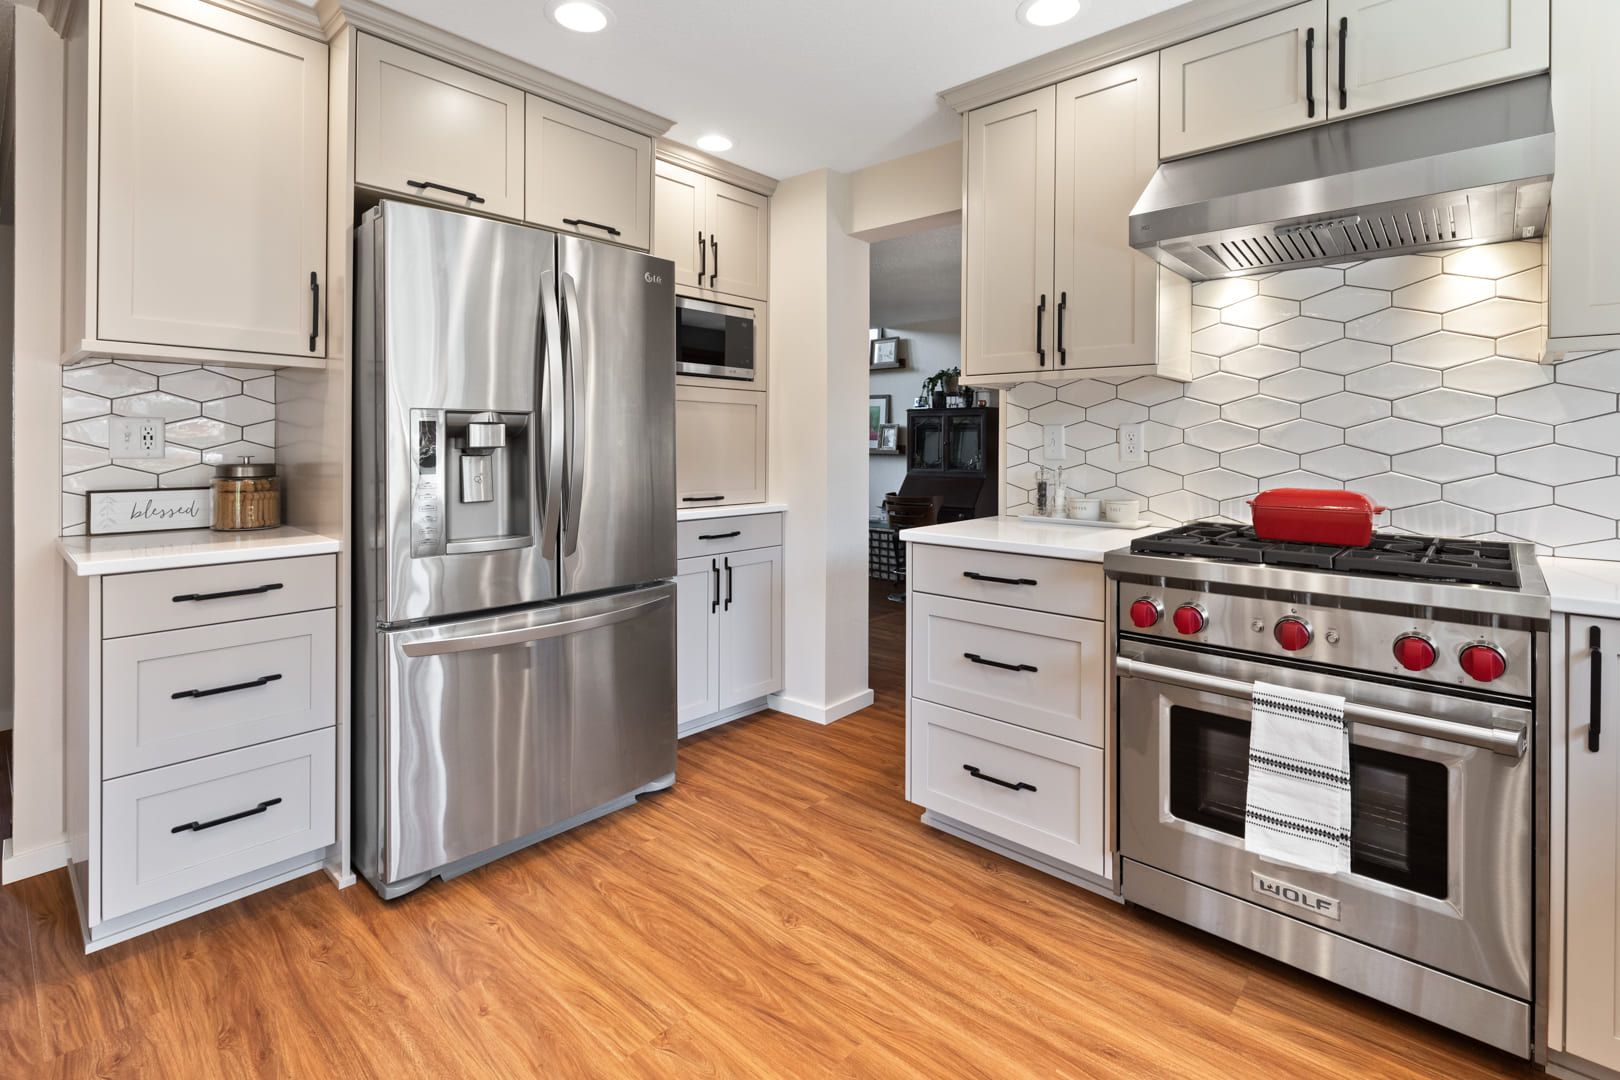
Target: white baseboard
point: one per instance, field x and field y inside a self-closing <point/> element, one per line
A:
<point x="820" y="714"/>
<point x="16" y="865"/>
<point x="725" y="716"/>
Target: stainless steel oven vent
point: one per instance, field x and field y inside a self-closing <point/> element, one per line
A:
<point x="1474" y="168"/>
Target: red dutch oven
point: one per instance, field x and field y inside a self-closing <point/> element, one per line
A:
<point x="1313" y="516"/>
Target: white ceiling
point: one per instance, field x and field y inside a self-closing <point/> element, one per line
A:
<point x="797" y="85"/>
<point x="917" y="279"/>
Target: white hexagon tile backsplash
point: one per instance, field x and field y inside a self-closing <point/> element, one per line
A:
<point x="211" y="415"/>
<point x="1412" y="379"/>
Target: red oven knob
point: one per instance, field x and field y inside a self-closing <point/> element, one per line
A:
<point x="1189" y="619"/>
<point x="1414" y="651"/>
<point x="1483" y="663"/>
<point x="1145" y="612"/>
<point x="1292" y="634"/>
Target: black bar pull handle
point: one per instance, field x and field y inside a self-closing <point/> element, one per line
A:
<point x="1063" y="354"/>
<point x="314" y="310"/>
<point x="1040" y="323"/>
<point x="260" y="681"/>
<point x="977" y="659"/>
<point x="1310" y="72"/>
<point x="999" y="580"/>
<point x="576" y="222"/>
<point x="720" y="536"/>
<point x="199" y="826"/>
<point x="701" y="498"/>
<point x="728" y="584"/>
<point x="714" y="271"/>
<point x="1344" y="32"/>
<point x="973" y="771"/>
<point x="703" y="257"/>
<point x="423" y="185"/>
<point x="186" y="598"/>
<point x="1594" y="729"/>
<point x="714" y="605"/>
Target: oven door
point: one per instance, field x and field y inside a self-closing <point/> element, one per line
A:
<point x="1441" y="825"/>
<point x="714" y="340"/>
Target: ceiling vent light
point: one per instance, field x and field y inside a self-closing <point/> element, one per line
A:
<point x="587" y="16"/>
<point x="1047" y="12"/>
<point x="714" y="144"/>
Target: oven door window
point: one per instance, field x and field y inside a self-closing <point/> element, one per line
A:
<point x="1398" y="804"/>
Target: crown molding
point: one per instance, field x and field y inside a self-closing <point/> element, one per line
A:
<point x="688" y="157"/>
<point x="1122" y="43"/>
<point x="373" y="18"/>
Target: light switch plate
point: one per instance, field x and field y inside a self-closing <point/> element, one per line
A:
<point x="1052" y="445"/>
<point x="135" y="437"/>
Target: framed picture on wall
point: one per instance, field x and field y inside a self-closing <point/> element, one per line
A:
<point x="888" y="440"/>
<point x="885" y="355"/>
<point x="877" y="415"/>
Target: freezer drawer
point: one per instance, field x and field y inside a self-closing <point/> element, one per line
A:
<point x="490" y="730"/>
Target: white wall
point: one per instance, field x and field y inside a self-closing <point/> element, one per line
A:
<point x="930" y="346"/>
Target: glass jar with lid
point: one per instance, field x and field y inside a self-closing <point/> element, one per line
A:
<point x="246" y="496"/>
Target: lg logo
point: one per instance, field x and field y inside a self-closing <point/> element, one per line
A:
<point x="651" y="278"/>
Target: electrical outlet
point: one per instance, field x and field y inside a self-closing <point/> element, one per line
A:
<point x="1131" y="451"/>
<point x="1053" y="446"/>
<point x="135" y="437"/>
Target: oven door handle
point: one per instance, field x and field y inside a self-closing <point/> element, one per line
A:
<point x="1503" y="737"/>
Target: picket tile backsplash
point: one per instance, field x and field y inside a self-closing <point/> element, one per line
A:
<point x="211" y="415"/>
<point x="1410" y="378"/>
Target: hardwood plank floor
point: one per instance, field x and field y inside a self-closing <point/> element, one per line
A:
<point x="780" y="912"/>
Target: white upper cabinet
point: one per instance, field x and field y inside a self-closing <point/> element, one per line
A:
<point x="1008" y="303"/>
<point x="1388" y="52"/>
<point x="1245" y="82"/>
<point x="1583" y="295"/>
<point x="586" y="175"/>
<point x="212" y="181"/>
<point x="437" y="132"/>
<point x="716" y="234"/>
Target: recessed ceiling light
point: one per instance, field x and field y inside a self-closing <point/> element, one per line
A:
<point x="714" y="144"/>
<point x="584" y="16"/>
<point x="1047" y="12"/>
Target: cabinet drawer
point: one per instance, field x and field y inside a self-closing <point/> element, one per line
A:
<point x="1031" y="669"/>
<point x="716" y="536"/>
<point x="254" y="681"/>
<point x="167" y="832"/>
<point x="1061" y="586"/>
<point x="200" y="595"/>
<point x="1056" y="802"/>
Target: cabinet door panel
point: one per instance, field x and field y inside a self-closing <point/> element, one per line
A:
<point x="586" y="171"/>
<point x="739" y="241"/>
<point x="678" y="206"/>
<point x="421" y="119"/>
<point x="750" y="625"/>
<point x="1107" y="151"/>
<point x="1405" y="50"/>
<point x="719" y="446"/>
<point x="1009" y="236"/>
<point x="1244" y="82"/>
<point x="697" y="639"/>
<point x="1592" y="902"/>
<point x="213" y="180"/>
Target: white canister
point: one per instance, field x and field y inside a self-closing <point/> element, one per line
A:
<point x="1125" y="510"/>
<point x="1085" y="509"/>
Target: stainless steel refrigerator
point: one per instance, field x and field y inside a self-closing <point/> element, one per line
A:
<point x="515" y="538"/>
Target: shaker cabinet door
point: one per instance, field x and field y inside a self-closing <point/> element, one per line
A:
<point x="678" y="225"/>
<point x="739" y="241"/>
<point x="586" y="175"/>
<point x="750" y="625"/>
<point x="719" y="447"/>
<point x="697" y="638"/>
<point x="212" y="206"/>
<point x="436" y="132"/>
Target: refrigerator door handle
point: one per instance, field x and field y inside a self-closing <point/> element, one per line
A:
<point x="576" y="464"/>
<point x="524" y="635"/>
<point x="551" y="412"/>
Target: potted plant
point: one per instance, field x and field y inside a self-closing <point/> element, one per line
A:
<point x="940" y="383"/>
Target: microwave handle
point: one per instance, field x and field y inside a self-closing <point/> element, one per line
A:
<point x="1509" y="739"/>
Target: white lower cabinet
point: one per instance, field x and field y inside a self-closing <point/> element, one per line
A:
<point x="728" y="624"/>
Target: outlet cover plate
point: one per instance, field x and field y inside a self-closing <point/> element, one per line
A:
<point x="1131" y="450"/>
<point x="135" y="437"/>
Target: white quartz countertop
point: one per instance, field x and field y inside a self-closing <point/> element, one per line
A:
<point x="1582" y="586"/>
<point x="1079" y="542"/>
<point x="130" y="552"/>
<point x="706" y="513"/>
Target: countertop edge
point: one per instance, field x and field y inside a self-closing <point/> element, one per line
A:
<point x="127" y="555"/>
<point x="710" y="513"/>
<point x="1076" y="543"/>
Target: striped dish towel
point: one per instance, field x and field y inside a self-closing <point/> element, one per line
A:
<point x="1298" y="810"/>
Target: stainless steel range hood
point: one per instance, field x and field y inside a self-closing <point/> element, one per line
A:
<point x="1474" y="168"/>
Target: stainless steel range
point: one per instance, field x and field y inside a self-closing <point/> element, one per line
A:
<point x="1440" y="649"/>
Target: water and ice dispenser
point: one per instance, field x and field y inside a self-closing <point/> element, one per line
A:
<point x="473" y="481"/>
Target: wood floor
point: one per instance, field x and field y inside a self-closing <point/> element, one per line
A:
<point x="780" y="913"/>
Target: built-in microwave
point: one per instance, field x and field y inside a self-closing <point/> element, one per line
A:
<point x="714" y="340"/>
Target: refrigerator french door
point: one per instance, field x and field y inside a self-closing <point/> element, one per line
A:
<point x="514" y="483"/>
